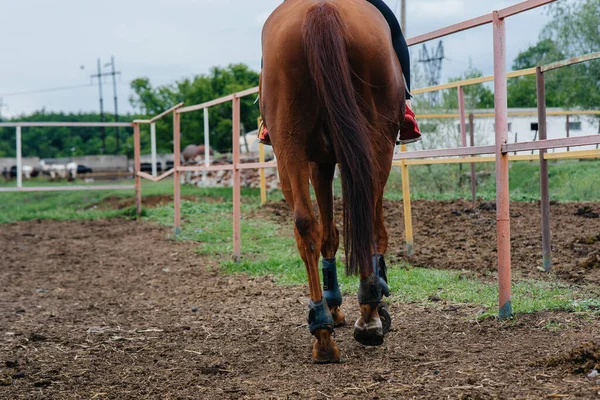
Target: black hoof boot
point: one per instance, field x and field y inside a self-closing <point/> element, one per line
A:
<point x="331" y="289"/>
<point x="386" y="318"/>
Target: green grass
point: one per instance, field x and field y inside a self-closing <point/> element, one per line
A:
<point x="570" y="180"/>
<point x="79" y="204"/>
<point x="418" y="285"/>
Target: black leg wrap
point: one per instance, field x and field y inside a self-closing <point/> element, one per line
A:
<point x="372" y="289"/>
<point x="331" y="289"/>
<point x="382" y="268"/>
<point x="319" y="316"/>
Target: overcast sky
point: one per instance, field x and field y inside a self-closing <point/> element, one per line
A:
<point x="45" y="44"/>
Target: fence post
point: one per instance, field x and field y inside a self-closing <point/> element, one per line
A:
<point x="502" y="188"/>
<point x="544" y="185"/>
<point x="461" y="111"/>
<point x="177" y="173"/>
<point x="206" y="145"/>
<point x="263" y="180"/>
<point x="568" y="129"/>
<point x="408" y="229"/>
<point x="153" y="147"/>
<point x="473" y="174"/>
<point x="19" y="159"/>
<point x="136" y="169"/>
<point x="236" y="179"/>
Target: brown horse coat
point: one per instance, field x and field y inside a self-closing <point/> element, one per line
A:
<point x="332" y="92"/>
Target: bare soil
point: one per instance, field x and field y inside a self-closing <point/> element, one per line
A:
<point x="462" y="235"/>
<point x="115" y="309"/>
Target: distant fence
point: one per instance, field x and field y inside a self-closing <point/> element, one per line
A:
<point x="19" y="161"/>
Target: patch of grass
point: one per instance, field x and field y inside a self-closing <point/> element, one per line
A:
<point x="54" y="205"/>
<point x="418" y="285"/>
<point x="78" y="204"/>
<point x="570" y="180"/>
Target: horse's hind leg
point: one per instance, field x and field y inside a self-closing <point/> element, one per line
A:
<point x="375" y="320"/>
<point x="295" y="187"/>
<point x="322" y="180"/>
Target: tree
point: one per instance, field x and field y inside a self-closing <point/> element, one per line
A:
<point x="573" y="31"/>
<point x="522" y="90"/>
<point x="476" y="96"/>
<point x="574" y="28"/>
<point x="198" y="89"/>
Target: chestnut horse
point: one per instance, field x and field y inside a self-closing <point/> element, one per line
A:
<point x="332" y="92"/>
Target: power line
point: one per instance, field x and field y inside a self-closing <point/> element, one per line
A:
<point x="99" y="75"/>
<point x="54" y="89"/>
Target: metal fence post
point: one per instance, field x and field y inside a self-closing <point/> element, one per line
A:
<point x="237" y="215"/>
<point x="206" y="145"/>
<point x="153" y="147"/>
<point x="473" y="174"/>
<point x="136" y="169"/>
<point x="408" y="228"/>
<point x="502" y="188"/>
<point x="177" y="172"/>
<point x="544" y="185"/>
<point x="568" y="129"/>
<point x="461" y="111"/>
<point x="19" y="159"/>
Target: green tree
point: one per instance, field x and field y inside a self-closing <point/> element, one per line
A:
<point x="476" y="96"/>
<point x="573" y="31"/>
<point x="198" y="89"/>
<point x="522" y="90"/>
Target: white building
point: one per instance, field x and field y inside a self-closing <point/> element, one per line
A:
<point x="522" y="127"/>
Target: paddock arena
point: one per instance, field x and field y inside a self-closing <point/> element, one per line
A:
<point x="117" y="309"/>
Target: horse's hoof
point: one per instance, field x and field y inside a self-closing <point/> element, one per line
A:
<point x="339" y="318"/>
<point x="386" y="318"/>
<point x="325" y="351"/>
<point x="369" y="334"/>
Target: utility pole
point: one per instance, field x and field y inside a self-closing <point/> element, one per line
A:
<point x="114" y="79"/>
<point x="99" y="75"/>
<point x="433" y="67"/>
<point x="2" y="105"/>
<point x="403" y="16"/>
<point x="102" y="131"/>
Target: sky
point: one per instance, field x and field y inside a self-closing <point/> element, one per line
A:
<point x="49" y="44"/>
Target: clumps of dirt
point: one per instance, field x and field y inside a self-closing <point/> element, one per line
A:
<point x="582" y="359"/>
<point x="589" y="239"/>
<point x="487" y="206"/>
<point x="120" y="203"/>
<point x="36" y="337"/>
<point x="592" y="262"/>
<point x="587" y="212"/>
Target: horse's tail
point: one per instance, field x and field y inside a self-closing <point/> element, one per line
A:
<point x="347" y="127"/>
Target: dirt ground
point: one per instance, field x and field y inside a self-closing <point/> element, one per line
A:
<point x="462" y="235"/>
<point x="114" y="309"/>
